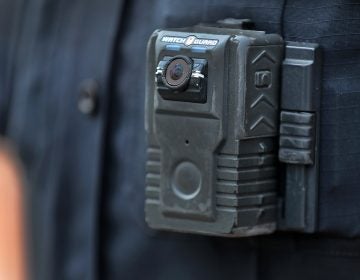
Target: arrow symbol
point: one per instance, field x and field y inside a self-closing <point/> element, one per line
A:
<point x="265" y="55"/>
<point x="264" y="121"/>
<point x="262" y="98"/>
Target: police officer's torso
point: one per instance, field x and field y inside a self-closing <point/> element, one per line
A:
<point x="85" y="163"/>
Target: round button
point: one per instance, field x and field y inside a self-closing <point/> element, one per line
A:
<point x="88" y="97"/>
<point x="186" y="180"/>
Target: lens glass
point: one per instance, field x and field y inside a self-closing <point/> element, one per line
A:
<point x="177" y="73"/>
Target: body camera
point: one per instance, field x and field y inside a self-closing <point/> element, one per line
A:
<point x="212" y="98"/>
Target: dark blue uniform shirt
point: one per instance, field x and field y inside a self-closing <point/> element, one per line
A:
<point x="72" y="99"/>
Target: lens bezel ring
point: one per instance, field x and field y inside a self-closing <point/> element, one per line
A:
<point x="185" y="81"/>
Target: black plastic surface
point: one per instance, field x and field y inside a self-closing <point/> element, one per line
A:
<point x="299" y="137"/>
<point x="212" y="151"/>
<point x="212" y="166"/>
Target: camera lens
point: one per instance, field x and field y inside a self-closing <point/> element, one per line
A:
<point x="178" y="72"/>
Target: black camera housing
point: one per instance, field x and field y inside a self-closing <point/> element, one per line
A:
<point x="212" y="119"/>
<point x="211" y="145"/>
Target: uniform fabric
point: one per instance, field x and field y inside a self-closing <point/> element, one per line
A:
<point x="85" y="174"/>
